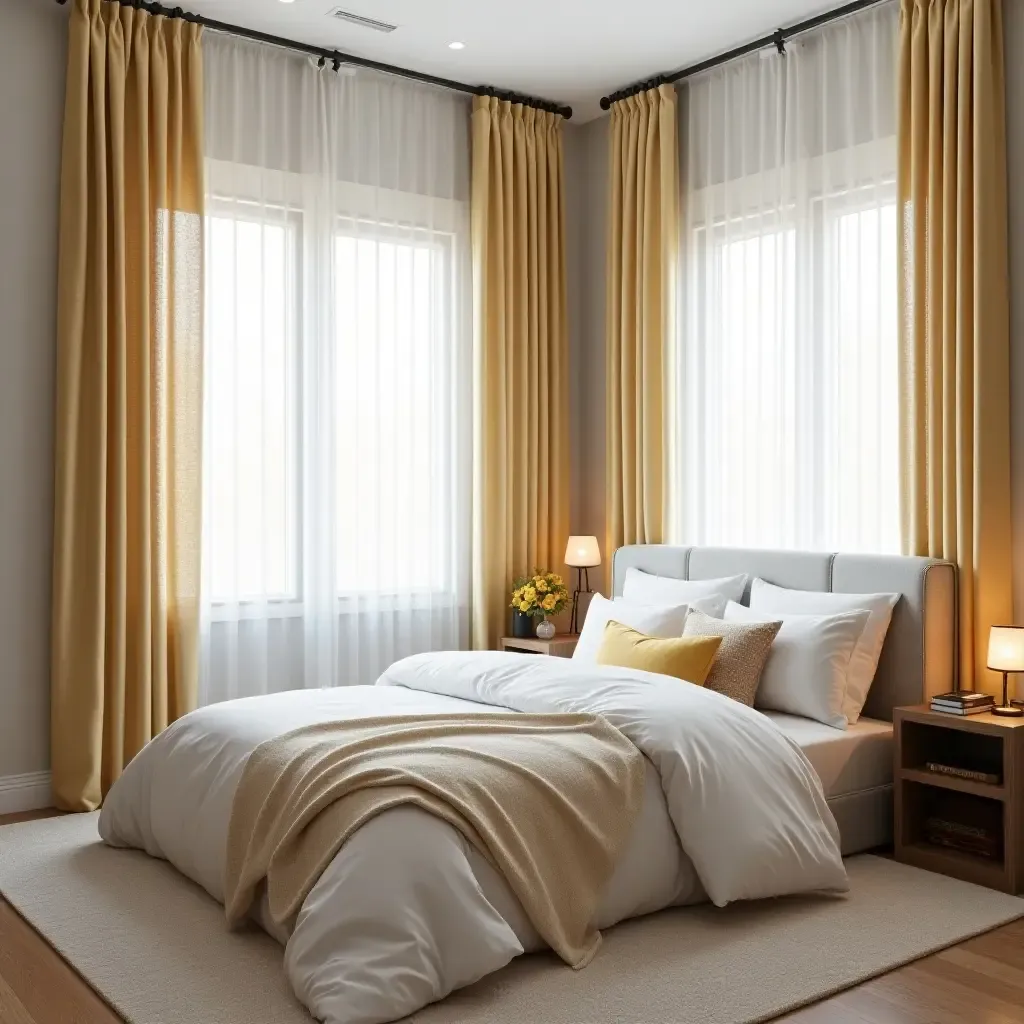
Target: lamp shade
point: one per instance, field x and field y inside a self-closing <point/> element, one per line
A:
<point x="1006" y="649"/>
<point x="582" y="552"/>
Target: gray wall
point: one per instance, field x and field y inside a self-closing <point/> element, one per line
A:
<point x="587" y="182"/>
<point x="32" y="55"/>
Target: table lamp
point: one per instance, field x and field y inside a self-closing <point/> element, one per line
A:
<point x="581" y="553"/>
<point x="1006" y="654"/>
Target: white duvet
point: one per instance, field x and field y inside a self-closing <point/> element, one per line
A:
<point x="408" y="911"/>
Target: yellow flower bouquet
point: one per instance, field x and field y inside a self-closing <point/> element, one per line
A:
<point x="542" y="594"/>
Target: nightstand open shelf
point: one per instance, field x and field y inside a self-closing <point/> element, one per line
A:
<point x="934" y="808"/>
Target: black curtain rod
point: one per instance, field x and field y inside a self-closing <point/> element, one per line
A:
<point x="338" y="58"/>
<point x="777" y="39"/>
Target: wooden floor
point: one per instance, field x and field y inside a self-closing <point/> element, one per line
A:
<point x="981" y="981"/>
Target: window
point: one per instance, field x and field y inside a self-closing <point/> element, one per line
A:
<point x="863" y="421"/>
<point x="252" y="430"/>
<point x="394" y="401"/>
<point x="329" y="440"/>
<point x="792" y="429"/>
<point x="784" y="387"/>
<point x="338" y="384"/>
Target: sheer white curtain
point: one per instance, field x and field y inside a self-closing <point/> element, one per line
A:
<point x="785" y="384"/>
<point x="338" y="372"/>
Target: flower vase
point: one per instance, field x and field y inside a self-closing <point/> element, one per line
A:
<point x="545" y="629"/>
<point x="522" y="626"/>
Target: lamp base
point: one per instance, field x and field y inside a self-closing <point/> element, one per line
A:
<point x="1008" y="711"/>
<point x="582" y="587"/>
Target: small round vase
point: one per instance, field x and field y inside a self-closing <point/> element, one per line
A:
<point x="545" y="630"/>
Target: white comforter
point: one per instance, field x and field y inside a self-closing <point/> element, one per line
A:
<point x="408" y="911"/>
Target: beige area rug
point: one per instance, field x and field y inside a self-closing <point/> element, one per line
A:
<point x="155" y="946"/>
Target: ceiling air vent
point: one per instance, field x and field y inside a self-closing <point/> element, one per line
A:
<point x="361" y="21"/>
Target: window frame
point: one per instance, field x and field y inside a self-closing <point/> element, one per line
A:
<point x="388" y="213"/>
<point x="812" y="218"/>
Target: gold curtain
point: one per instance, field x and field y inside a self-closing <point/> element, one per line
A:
<point x="521" y="355"/>
<point x="954" y="298"/>
<point x="127" y="506"/>
<point x="643" y="234"/>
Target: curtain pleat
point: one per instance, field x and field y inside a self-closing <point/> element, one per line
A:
<point x="642" y="248"/>
<point x="521" y="444"/>
<point x="954" y="297"/>
<point x="128" y="420"/>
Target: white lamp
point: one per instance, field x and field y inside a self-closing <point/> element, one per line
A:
<point x="1006" y="654"/>
<point x="581" y="553"/>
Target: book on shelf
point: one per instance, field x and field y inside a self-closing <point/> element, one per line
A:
<point x="989" y="778"/>
<point x="955" y="835"/>
<point x="962" y="844"/>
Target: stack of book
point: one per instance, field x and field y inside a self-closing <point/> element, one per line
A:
<point x="954" y="835"/>
<point x="964" y="702"/>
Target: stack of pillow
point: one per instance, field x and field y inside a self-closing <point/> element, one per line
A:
<point x="803" y="652"/>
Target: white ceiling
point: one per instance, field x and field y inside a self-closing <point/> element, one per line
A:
<point x="568" y="51"/>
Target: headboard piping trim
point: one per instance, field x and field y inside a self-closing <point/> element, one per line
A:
<point x="956" y="632"/>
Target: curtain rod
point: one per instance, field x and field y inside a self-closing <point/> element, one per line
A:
<point x="777" y="39"/>
<point x="338" y="58"/>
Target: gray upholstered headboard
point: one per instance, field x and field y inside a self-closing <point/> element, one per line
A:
<point x="918" y="658"/>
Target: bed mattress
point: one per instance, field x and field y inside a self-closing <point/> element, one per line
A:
<point x="855" y="768"/>
<point x="846" y="760"/>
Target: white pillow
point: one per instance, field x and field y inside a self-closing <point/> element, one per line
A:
<point x="645" y="588"/>
<point x="766" y="597"/>
<point x="664" y="620"/>
<point x="808" y="666"/>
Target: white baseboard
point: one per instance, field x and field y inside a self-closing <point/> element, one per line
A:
<point x="31" y="792"/>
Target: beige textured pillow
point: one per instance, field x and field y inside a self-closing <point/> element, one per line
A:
<point x="736" y="670"/>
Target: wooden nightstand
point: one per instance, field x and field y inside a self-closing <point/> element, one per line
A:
<point x="982" y="743"/>
<point x="560" y="646"/>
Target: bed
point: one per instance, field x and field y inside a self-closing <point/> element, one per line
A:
<point x="917" y="659"/>
<point x="737" y="804"/>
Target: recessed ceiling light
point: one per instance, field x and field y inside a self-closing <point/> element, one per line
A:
<point x="456" y="46"/>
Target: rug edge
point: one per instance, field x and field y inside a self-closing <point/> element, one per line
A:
<point x="847" y="986"/>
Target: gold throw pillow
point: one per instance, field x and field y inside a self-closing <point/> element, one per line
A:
<point x="686" y="658"/>
<point x="741" y="658"/>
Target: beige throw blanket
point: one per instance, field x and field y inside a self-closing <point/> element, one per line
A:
<point x="549" y="800"/>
